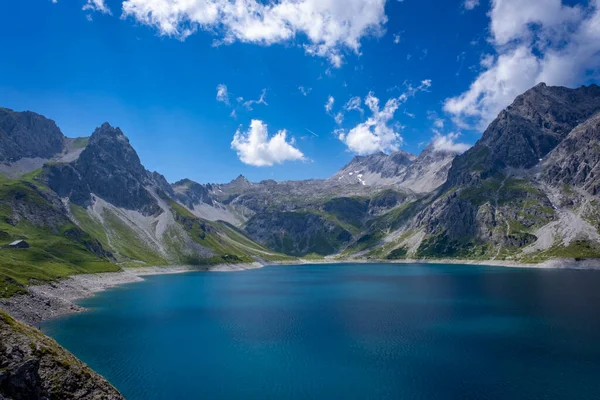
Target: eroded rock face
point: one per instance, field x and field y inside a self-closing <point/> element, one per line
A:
<point x="576" y="161"/>
<point x="191" y="193"/>
<point x="532" y="126"/>
<point x="375" y="169"/>
<point x="33" y="366"/>
<point x="27" y="134"/>
<point x="429" y="170"/>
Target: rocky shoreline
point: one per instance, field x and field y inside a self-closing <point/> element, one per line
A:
<point x="55" y="299"/>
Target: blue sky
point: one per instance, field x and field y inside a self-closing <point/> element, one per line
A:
<point x="448" y="67"/>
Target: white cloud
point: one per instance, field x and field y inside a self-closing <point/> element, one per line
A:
<point x="254" y="147"/>
<point x="304" y="91"/>
<point x="438" y="123"/>
<point x="96" y="5"/>
<point x="328" y="28"/>
<point x="449" y="142"/>
<point x="329" y="104"/>
<point x="470" y="4"/>
<point x="339" y="118"/>
<point x="397" y="38"/>
<point x="261" y="100"/>
<point x="222" y="94"/>
<point x="535" y="41"/>
<point x="354" y="104"/>
<point x="375" y="134"/>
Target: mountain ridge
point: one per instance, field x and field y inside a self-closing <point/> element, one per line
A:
<point x="491" y="201"/>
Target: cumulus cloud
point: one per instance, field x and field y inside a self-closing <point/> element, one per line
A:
<point x="378" y="132"/>
<point x="222" y="94"/>
<point x="96" y="5"/>
<point x="254" y="147"/>
<point x="535" y="41"/>
<point x="375" y="134"/>
<point x="449" y="142"/>
<point x="327" y="28"/>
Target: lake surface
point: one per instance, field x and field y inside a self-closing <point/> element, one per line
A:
<point x="346" y="331"/>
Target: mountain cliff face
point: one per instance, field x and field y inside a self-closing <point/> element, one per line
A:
<point x="576" y="160"/>
<point x="526" y="131"/>
<point x="429" y="170"/>
<point x="27" y="134"/>
<point x="375" y="169"/>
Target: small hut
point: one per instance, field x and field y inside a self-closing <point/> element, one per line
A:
<point x="19" y="244"/>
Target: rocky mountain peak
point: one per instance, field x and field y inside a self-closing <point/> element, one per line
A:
<point x="107" y="129"/>
<point x="110" y="168"/>
<point x="374" y="169"/>
<point x="527" y="130"/>
<point x="27" y="134"/>
<point x="429" y="170"/>
<point x="108" y="145"/>
<point x="239" y="183"/>
<point x="191" y="193"/>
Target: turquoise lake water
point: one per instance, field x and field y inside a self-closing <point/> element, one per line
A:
<point x="346" y="331"/>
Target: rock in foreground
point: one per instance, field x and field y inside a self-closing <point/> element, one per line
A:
<point x="33" y="366"/>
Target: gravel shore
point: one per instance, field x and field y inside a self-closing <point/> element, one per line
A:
<point x="55" y="299"/>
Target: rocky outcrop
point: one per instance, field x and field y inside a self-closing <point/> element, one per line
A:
<point x="429" y="170"/>
<point x="375" y="169"/>
<point x="27" y="134"/>
<point x="526" y="131"/>
<point x="576" y="160"/>
<point x="191" y="193"/>
<point x="33" y="366"/>
<point x="421" y="174"/>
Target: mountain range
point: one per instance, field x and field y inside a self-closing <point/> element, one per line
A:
<point x="528" y="191"/>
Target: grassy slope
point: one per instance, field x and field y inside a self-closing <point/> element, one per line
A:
<point x="124" y="242"/>
<point x="52" y="254"/>
<point x="228" y="243"/>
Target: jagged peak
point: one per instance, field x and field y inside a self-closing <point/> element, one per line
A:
<point x="183" y="182"/>
<point x="107" y="129"/>
<point x="240" y="179"/>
